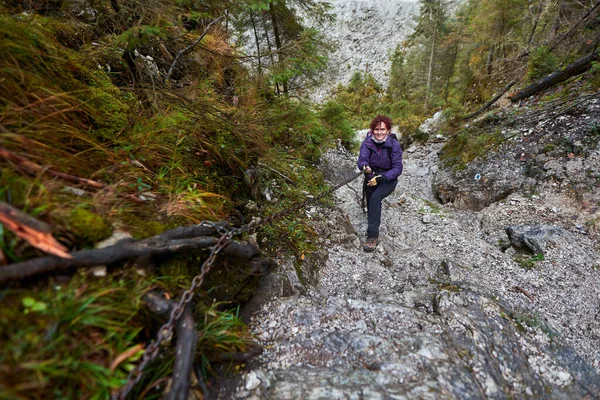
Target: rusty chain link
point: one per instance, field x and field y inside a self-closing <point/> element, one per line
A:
<point x="166" y="330"/>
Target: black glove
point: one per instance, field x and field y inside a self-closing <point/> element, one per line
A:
<point x="376" y="180"/>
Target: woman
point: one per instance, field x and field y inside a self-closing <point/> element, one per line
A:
<point x="381" y="160"/>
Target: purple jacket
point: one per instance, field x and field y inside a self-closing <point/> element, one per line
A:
<point x="377" y="157"/>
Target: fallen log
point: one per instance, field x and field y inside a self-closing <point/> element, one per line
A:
<point x="573" y="69"/>
<point x="185" y="346"/>
<point x="491" y="102"/>
<point x="172" y="241"/>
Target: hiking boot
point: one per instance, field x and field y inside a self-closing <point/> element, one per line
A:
<point x="370" y="244"/>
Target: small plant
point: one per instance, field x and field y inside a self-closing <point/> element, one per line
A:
<point x="541" y="62"/>
<point x="32" y="305"/>
<point x="528" y="262"/>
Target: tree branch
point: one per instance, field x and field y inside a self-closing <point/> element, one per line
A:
<point x="563" y="37"/>
<point x="185" y="347"/>
<point x="172" y="241"/>
<point x="33" y="231"/>
<point x="32" y="167"/>
<point x="492" y="101"/>
<point x="278" y="173"/>
<point x="191" y="46"/>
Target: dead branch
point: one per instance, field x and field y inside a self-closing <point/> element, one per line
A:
<point x="525" y="292"/>
<point x="32" y="167"/>
<point x="492" y="101"/>
<point x="33" y="231"/>
<point x="3" y="259"/>
<point x="172" y="241"/>
<point x="277" y="172"/>
<point x="191" y="46"/>
<point x="573" y="69"/>
<point x="185" y="347"/>
<point x="563" y="37"/>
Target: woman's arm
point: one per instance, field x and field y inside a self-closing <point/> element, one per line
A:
<point x="396" y="156"/>
<point x="363" y="156"/>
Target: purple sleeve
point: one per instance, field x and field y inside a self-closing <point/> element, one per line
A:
<point x="396" y="169"/>
<point x="363" y="156"/>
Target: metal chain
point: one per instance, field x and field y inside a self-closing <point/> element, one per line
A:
<point x="166" y="330"/>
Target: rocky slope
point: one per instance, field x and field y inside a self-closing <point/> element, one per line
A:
<point x="446" y="307"/>
<point x="365" y="34"/>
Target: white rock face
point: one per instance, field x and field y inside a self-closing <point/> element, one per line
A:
<point x="367" y="33"/>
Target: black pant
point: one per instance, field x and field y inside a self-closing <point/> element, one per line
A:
<point x="375" y="195"/>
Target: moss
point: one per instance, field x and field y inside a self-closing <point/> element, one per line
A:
<point x="527" y="261"/>
<point x="15" y="188"/>
<point x="88" y="226"/>
<point x="143" y="226"/>
<point x="230" y="282"/>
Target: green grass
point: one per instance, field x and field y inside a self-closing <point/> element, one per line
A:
<point x="79" y="330"/>
<point x="468" y="145"/>
<point x="527" y="261"/>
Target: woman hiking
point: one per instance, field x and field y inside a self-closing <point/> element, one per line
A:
<point x="380" y="159"/>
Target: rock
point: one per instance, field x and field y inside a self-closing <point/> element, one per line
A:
<point x="427" y="219"/>
<point x="116" y="237"/>
<point x="432" y="124"/>
<point x="533" y="238"/>
<point x="252" y="381"/>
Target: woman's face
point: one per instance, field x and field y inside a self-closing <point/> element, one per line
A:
<point x="380" y="131"/>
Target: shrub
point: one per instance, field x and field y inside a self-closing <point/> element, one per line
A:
<point x="541" y="62"/>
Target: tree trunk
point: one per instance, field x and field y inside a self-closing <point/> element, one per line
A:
<point x="257" y="44"/>
<point x="489" y="103"/>
<point x="175" y="240"/>
<point x="277" y="40"/>
<point x="431" y="58"/>
<point x="563" y="37"/>
<point x="576" y="68"/>
<point x="490" y="59"/>
<point x="270" y="49"/>
<point x="452" y="68"/>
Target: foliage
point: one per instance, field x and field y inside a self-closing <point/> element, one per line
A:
<point x="80" y="331"/>
<point x="527" y="261"/>
<point x="85" y="95"/>
<point x="541" y="62"/>
<point x="362" y="99"/>
<point x="468" y="145"/>
<point x="462" y="53"/>
<point x="335" y="118"/>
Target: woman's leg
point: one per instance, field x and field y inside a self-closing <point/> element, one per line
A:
<point x="375" y="197"/>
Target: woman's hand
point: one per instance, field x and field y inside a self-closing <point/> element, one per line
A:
<point x="376" y="180"/>
<point x="367" y="169"/>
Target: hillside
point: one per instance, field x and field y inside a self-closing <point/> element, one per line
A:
<point x="178" y="219"/>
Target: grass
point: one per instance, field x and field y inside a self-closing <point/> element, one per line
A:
<point x="80" y="330"/>
<point x="528" y="262"/>
<point x="188" y="150"/>
<point x="468" y="145"/>
<point x="88" y="335"/>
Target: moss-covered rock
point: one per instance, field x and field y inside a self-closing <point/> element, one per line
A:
<point x="87" y="225"/>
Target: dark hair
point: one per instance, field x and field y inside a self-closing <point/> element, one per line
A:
<point x="381" y="118"/>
